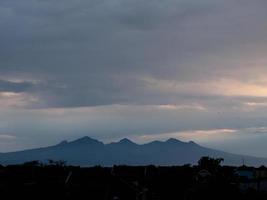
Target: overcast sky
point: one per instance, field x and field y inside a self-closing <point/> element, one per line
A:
<point x="146" y="70"/>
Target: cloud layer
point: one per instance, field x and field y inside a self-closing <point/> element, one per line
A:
<point x="158" y="67"/>
<point x="101" y="52"/>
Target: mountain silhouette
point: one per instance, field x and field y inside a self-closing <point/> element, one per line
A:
<point x="88" y="152"/>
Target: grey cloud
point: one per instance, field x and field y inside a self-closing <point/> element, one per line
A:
<point x="7" y="86"/>
<point x="97" y="52"/>
<point x="101" y="52"/>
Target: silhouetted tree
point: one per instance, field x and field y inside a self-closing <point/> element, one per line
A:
<point x="59" y="163"/>
<point x="210" y="163"/>
<point x="34" y="163"/>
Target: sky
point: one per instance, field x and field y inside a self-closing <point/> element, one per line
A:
<point x="145" y="70"/>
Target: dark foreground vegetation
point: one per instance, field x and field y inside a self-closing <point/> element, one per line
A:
<point x="207" y="180"/>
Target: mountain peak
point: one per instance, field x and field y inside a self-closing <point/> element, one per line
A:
<point x="173" y="140"/>
<point x="125" y="141"/>
<point x="86" y="140"/>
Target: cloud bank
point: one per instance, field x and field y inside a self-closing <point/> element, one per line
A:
<point x="121" y="68"/>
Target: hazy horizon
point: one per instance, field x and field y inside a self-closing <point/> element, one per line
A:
<point x="213" y="146"/>
<point x="143" y="70"/>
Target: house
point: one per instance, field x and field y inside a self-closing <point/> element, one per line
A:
<point x="261" y="176"/>
<point x="252" y="178"/>
<point x="261" y="172"/>
<point x="245" y="173"/>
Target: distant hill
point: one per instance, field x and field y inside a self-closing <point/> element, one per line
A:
<point x="87" y="152"/>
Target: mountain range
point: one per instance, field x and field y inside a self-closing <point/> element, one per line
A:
<point x="88" y="152"/>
